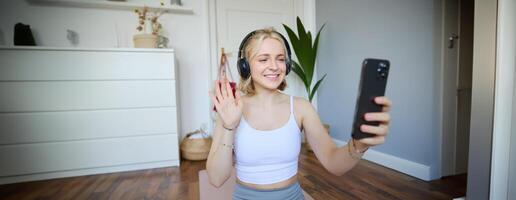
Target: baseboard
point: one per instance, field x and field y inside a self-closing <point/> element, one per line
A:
<point x="399" y="164"/>
<point x="90" y="171"/>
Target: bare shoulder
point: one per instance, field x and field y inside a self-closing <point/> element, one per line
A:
<point x="303" y="106"/>
<point x="244" y="96"/>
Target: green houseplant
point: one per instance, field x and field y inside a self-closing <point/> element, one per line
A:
<point x="306" y="53"/>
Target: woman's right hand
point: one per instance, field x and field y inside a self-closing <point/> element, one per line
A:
<point x="228" y="106"/>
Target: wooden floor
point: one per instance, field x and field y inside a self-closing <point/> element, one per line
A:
<point x="366" y="181"/>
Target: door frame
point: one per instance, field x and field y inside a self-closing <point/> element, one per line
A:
<point x="482" y="99"/>
<point x="503" y="105"/>
<point x="489" y="135"/>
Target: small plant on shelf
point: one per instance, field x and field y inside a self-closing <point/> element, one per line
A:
<point x="142" y="13"/>
<point x="150" y="18"/>
<point x="149" y="29"/>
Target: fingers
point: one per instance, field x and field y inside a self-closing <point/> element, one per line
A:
<point x="385" y="102"/>
<point x="237" y="97"/>
<point x="383" y="117"/>
<point x="378" y="117"/>
<point x="218" y="91"/>
<point x="373" y="141"/>
<point x="214" y="100"/>
<point x="229" y="90"/>
<point x="224" y="88"/>
<point x="376" y="130"/>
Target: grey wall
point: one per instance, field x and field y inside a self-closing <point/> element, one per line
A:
<point x="401" y="31"/>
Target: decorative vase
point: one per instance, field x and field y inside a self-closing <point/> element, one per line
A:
<point x="145" y="40"/>
<point x="176" y="2"/>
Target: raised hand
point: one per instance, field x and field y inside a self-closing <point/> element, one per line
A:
<point x="228" y="106"/>
<point x="379" y="131"/>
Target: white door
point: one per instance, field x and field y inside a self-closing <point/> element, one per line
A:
<point x="464" y="78"/>
<point x="450" y="63"/>
<point x="236" y="18"/>
<point x="457" y="76"/>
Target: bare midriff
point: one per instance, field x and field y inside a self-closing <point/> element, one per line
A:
<point x="277" y="185"/>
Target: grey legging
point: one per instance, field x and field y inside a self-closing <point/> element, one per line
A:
<point x="291" y="192"/>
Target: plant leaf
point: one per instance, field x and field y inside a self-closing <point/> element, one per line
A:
<point x="300" y="29"/>
<point x="316" y="87"/>
<point x="306" y="53"/>
<point x="309" y="35"/>
<point x="303" y="52"/>
<point x="299" y="71"/>
<point x="291" y="35"/>
<point x="316" y="43"/>
<point x="294" y="40"/>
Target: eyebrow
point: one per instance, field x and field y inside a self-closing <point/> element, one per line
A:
<point x="266" y="54"/>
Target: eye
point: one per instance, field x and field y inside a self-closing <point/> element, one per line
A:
<point x="262" y="60"/>
<point x="281" y="59"/>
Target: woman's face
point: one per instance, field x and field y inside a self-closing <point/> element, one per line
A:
<point x="268" y="66"/>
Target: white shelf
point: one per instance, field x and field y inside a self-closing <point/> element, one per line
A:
<point x="115" y="5"/>
<point x="156" y="50"/>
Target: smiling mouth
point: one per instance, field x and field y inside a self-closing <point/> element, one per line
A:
<point x="271" y="75"/>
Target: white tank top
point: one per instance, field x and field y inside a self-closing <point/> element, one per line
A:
<point x="266" y="157"/>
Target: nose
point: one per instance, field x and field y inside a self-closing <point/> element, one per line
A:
<point x="274" y="66"/>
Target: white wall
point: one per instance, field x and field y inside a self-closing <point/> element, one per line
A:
<point x="503" y="117"/>
<point x="512" y="155"/>
<point x="97" y="28"/>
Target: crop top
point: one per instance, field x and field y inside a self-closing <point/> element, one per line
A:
<point x="266" y="157"/>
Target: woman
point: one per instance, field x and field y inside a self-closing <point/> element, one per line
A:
<point x="263" y="127"/>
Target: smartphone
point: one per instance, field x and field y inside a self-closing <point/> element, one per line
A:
<point x="373" y="80"/>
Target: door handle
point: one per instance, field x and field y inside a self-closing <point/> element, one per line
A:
<point x="451" y="40"/>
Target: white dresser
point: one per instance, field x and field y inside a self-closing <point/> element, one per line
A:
<point x="69" y="112"/>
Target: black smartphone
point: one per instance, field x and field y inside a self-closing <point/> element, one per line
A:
<point x="373" y="80"/>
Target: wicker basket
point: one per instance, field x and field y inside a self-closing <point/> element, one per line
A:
<point x="195" y="148"/>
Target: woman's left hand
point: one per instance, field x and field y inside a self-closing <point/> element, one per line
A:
<point x="379" y="131"/>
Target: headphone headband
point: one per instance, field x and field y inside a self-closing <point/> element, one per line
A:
<point x="243" y="43"/>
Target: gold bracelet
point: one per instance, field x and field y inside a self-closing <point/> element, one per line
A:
<point x="229" y="129"/>
<point x="353" y="152"/>
<point x="358" y="151"/>
<point x="228" y="145"/>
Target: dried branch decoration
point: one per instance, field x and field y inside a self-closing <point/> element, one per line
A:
<point x="151" y="15"/>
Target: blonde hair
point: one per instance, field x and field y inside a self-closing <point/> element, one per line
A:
<point x="251" y="48"/>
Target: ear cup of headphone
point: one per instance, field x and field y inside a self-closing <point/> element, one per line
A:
<point x="288" y="61"/>
<point x="288" y="64"/>
<point x="243" y="68"/>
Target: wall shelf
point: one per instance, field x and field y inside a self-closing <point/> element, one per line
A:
<point x="123" y="5"/>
